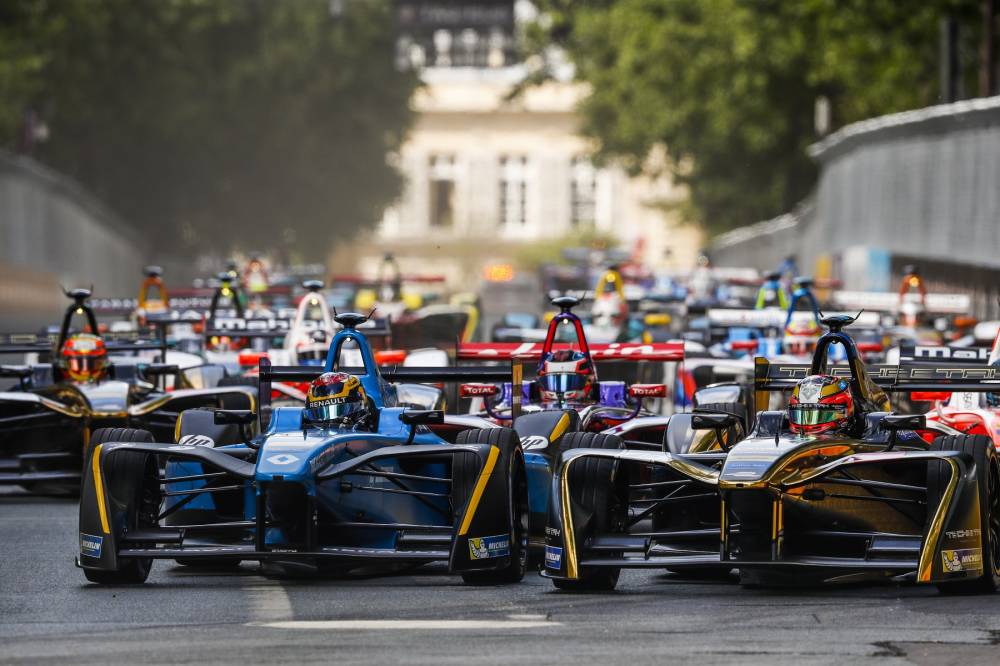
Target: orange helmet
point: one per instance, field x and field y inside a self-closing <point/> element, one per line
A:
<point x="820" y="403"/>
<point x="83" y="358"/>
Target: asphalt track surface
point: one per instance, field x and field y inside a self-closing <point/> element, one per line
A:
<point x="48" y="613"/>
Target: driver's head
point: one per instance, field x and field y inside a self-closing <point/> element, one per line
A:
<point x="83" y="358"/>
<point x="820" y="403"/>
<point x="336" y="399"/>
<point x="566" y="375"/>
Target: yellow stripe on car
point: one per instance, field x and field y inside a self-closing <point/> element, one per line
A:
<point x="477" y="494"/>
<point x="932" y="542"/>
<point x="569" y="538"/>
<point x="560" y="428"/>
<point x="99" y="489"/>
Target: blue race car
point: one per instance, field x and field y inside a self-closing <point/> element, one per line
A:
<point x="351" y="481"/>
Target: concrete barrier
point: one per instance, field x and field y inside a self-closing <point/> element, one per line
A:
<point x="920" y="187"/>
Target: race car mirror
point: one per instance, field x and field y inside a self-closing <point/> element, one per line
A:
<point x="713" y="421"/>
<point x="648" y="391"/>
<point x="415" y="417"/>
<point x="478" y="390"/>
<point x="896" y="422"/>
<point x="238" y="417"/>
<point x="904" y="421"/>
<point x="930" y="396"/>
<point x="203" y="376"/>
<point x="720" y="422"/>
<point x="21" y="372"/>
<point x="233" y="417"/>
<point x="419" y="417"/>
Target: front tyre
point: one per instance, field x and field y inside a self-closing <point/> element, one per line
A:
<point x="142" y="502"/>
<point x="981" y="449"/>
<point x="593" y="484"/>
<point x="465" y="472"/>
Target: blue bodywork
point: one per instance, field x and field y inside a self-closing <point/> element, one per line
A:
<point x="304" y="495"/>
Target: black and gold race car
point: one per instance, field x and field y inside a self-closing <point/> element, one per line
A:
<point x="50" y="410"/>
<point x="896" y="497"/>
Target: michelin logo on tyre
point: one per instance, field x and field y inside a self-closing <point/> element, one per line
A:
<point x="90" y="545"/>
<point x="489" y="547"/>
<point x="967" y="559"/>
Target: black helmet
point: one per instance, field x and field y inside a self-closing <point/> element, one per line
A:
<point x="336" y="399"/>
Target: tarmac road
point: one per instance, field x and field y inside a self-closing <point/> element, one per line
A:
<point x="49" y="613"/>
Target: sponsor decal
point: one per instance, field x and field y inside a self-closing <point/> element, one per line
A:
<point x="322" y="460"/>
<point x="553" y="557"/>
<point x="887" y="372"/>
<point x="963" y="534"/>
<point x="956" y="353"/>
<point x="534" y="443"/>
<point x="967" y="559"/>
<point x="553" y="532"/>
<point x="263" y="324"/>
<point x="745" y="469"/>
<point x="488" y="547"/>
<point x="648" y="390"/>
<point x="90" y="545"/>
<point x="809" y="393"/>
<point x="197" y="440"/>
<point x="470" y="390"/>
<point x="283" y="459"/>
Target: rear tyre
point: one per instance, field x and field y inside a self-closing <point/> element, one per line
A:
<point x="465" y="473"/>
<point x="594" y="487"/>
<point x="983" y="452"/>
<point x="143" y="504"/>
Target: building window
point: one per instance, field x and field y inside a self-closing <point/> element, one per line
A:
<point x="442" y="190"/>
<point x="513" y="191"/>
<point x="583" y="192"/>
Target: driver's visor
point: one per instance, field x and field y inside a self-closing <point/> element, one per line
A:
<point x="84" y="364"/>
<point x="563" y="382"/>
<point x="319" y="413"/>
<point x="808" y="415"/>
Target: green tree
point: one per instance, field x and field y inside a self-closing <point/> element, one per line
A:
<point x="219" y="124"/>
<point x="729" y="86"/>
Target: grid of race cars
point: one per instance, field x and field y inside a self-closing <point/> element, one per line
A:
<point x="629" y="421"/>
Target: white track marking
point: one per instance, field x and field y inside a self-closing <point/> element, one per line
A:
<point x="269" y="602"/>
<point x="421" y="625"/>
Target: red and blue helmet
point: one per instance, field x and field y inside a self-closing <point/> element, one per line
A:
<point x="566" y="376"/>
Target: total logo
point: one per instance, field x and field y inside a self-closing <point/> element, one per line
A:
<point x="283" y="459"/>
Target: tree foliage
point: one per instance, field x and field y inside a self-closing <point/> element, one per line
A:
<point x="214" y="124"/>
<point x="729" y="87"/>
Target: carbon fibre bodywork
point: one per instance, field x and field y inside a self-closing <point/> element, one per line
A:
<point x="784" y="508"/>
<point x="45" y="431"/>
<point x="46" y="420"/>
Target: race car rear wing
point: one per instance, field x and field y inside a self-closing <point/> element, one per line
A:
<point x="770" y="376"/>
<point x="776" y="317"/>
<point x="614" y="351"/>
<point x="889" y="302"/>
<point x="273" y="327"/>
<point x="32" y="343"/>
